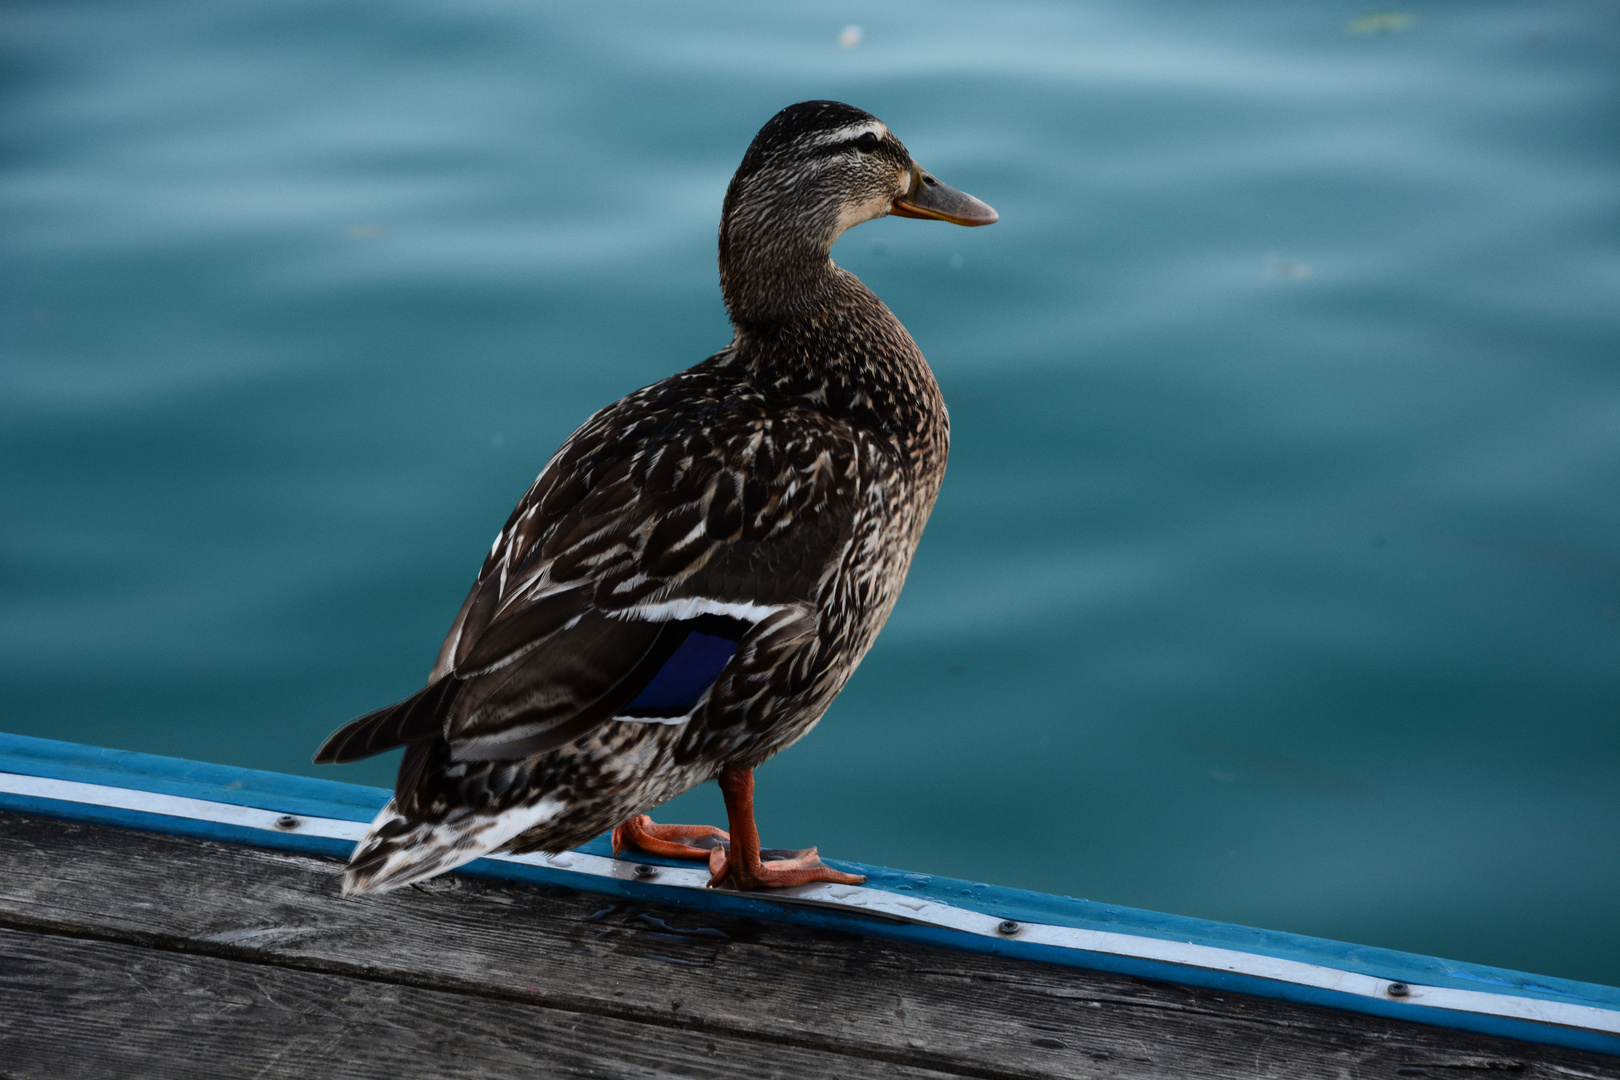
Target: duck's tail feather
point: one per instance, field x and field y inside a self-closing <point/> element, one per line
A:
<point x="418" y="717"/>
<point x="399" y="851"/>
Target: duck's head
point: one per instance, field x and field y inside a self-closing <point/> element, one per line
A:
<point x="814" y="170"/>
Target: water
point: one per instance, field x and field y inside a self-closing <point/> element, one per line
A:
<point x="1275" y="578"/>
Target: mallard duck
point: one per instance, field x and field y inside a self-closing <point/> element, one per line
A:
<point x="696" y="573"/>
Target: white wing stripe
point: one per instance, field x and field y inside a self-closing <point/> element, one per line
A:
<point x="692" y="606"/>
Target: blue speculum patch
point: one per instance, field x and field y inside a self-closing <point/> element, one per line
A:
<point x="681" y="682"/>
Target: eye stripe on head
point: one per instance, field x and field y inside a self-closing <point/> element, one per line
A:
<point x="852" y="133"/>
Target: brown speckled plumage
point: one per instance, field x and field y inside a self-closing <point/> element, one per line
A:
<point x="772" y="495"/>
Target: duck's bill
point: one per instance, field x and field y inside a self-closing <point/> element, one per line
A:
<point x="928" y="198"/>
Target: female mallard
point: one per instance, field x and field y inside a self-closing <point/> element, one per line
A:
<point x="697" y="572"/>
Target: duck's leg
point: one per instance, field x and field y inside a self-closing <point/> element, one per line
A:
<point x="740" y="863"/>
<point x="641" y="833"/>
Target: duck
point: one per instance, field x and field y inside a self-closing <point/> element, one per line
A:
<point x="699" y="569"/>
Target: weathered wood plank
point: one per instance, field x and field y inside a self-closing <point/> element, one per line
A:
<point x="73" y="1008"/>
<point x="883" y="1001"/>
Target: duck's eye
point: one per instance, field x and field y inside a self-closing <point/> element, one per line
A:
<point x="867" y="142"/>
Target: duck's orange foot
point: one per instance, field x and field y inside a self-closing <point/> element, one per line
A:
<point x="671" y="841"/>
<point x="798" y="868"/>
<point x="739" y="863"/>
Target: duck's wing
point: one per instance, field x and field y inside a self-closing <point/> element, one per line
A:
<point x="664" y="537"/>
<point x="537" y="678"/>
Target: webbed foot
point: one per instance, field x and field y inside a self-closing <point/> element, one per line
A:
<point x="739" y="862"/>
<point x="671" y="841"/>
<point x="799" y="868"/>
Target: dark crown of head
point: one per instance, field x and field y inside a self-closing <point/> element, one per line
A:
<point x="785" y="132"/>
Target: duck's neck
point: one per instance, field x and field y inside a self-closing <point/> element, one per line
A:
<point x="773" y="271"/>
<point x="809" y="330"/>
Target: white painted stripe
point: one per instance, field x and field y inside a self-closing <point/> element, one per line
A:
<point x="151" y="802"/>
<point x="885" y="904"/>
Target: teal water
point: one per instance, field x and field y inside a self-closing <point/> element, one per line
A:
<point x="1275" y="579"/>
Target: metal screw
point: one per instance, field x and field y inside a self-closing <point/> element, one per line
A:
<point x="1398" y="989"/>
<point x="642" y="870"/>
<point x="286" y="821"/>
<point x="1008" y="927"/>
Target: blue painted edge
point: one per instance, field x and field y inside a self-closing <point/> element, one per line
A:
<point x="285" y="793"/>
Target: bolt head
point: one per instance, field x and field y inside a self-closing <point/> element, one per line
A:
<point x="642" y="870"/>
<point x="286" y="821"/>
<point x="1008" y="927"/>
<point x="1397" y="990"/>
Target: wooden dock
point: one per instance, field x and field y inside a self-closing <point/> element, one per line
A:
<point x="128" y="953"/>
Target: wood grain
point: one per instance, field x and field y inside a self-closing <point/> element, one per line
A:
<point x="73" y="1008"/>
<point x="578" y="958"/>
